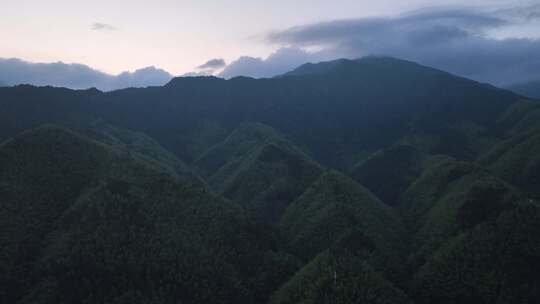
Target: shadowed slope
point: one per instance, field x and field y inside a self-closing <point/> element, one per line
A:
<point x="389" y="172"/>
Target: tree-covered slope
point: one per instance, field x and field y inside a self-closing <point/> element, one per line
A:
<point x="450" y="197"/>
<point x="137" y="142"/>
<point x="332" y="207"/>
<point x="342" y="274"/>
<point x="496" y="262"/>
<point x="519" y="118"/>
<point x="84" y="222"/>
<point x="259" y="169"/>
<point x="222" y="159"/>
<point x="234" y="191"/>
<point x="517" y="160"/>
<point x="389" y="172"/>
<point x="269" y="179"/>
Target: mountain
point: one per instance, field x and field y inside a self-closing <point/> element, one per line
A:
<point x="486" y="265"/>
<point x="337" y="117"/>
<point x="222" y="159"/>
<point x="517" y="160"/>
<point x="529" y="89"/>
<point x="348" y="238"/>
<point x="332" y="207"/>
<point x="451" y="196"/>
<point x="85" y="222"/>
<point x="321" y="68"/>
<point x="256" y="167"/>
<point x="137" y="142"/>
<point x="374" y="180"/>
<point x="341" y="274"/>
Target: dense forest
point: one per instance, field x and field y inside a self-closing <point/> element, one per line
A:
<point x="353" y="181"/>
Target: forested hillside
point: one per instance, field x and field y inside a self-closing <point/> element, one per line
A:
<point x="354" y="181"/>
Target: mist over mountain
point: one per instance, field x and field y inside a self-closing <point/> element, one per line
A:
<point x="376" y="180"/>
<point x="76" y="76"/>
<point x="530" y="89"/>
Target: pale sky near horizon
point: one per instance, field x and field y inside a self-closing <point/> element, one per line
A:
<point x="173" y="35"/>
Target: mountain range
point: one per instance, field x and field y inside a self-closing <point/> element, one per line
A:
<point x="15" y="71"/>
<point x="374" y="180"/>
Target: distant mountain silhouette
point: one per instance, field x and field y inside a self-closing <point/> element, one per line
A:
<point x="76" y="76"/>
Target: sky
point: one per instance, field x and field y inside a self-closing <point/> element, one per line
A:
<point x="258" y="38"/>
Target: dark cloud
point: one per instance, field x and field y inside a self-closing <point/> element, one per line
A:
<point x="454" y="39"/>
<point x="375" y="30"/>
<point x="98" y="26"/>
<point x="213" y="64"/>
<point x="76" y="76"/>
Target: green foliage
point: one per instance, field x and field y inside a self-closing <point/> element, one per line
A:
<point x="517" y="160"/>
<point x="137" y="142"/>
<point x="451" y="196"/>
<point x="520" y="117"/>
<point x="342" y="274"/>
<point x="269" y="179"/>
<point x="260" y="170"/>
<point x="84" y="223"/>
<point x="334" y="206"/>
<point x="496" y="262"/>
<point x="221" y="160"/>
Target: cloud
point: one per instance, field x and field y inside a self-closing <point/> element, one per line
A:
<point x="279" y="62"/>
<point x="213" y="64"/>
<point x="458" y="40"/>
<point x="102" y="27"/>
<point x="76" y="76"/>
<point x="527" y="13"/>
<point x="149" y="76"/>
<point x="373" y="30"/>
<point x="202" y="73"/>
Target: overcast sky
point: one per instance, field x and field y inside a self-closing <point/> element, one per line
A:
<point x="201" y="37"/>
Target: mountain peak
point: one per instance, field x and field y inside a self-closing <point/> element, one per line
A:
<point x="325" y="67"/>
